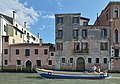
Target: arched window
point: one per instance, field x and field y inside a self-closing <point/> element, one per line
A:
<point x="71" y="60"/>
<point x="63" y="60"/>
<point x="116" y="12"/>
<point x="116" y="36"/>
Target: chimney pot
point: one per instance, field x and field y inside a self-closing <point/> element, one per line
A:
<point x="14" y="15"/>
<point x="38" y="35"/>
<point x="25" y="24"/>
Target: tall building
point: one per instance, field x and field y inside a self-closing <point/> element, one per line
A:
<point x="14" y="33"/>
<point x="78" y="45"/>
<point x="111" y="16"/>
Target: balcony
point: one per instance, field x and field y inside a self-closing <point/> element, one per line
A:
<point x="82" y="51"/>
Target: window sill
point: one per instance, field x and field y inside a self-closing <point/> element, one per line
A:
<point x="18" y="65"/>
<point x="116" y="43"/>
<point x="115" y="57"/>
<point x="59" y="23"/>
<point x="6" y="55"/>
<point x="17" y="55"/>
<point x="50" y="65"/>
<point x="115" y="17"/>
<point x="104" y="50"/>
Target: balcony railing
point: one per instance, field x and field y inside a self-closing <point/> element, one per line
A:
<point x="81" y="51"/>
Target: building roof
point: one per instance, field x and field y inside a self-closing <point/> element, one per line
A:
<point x="25" y="44"/>
<point x="47" y="44"/>
<point x="9" y="19"/>
<point x="32" y="44"/>
<point x="84" y="18"/>
<point x="114" y="2"/>
<point x="110" y="3"/>
<point x="51" y="46"/>
<point x="69" y="14"/>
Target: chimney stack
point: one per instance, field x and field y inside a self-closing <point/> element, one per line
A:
<point x="25" y="24"/>
<point x="40" y="42"/>
<point x="14" y="15"/>
<point x="38" y="35"/>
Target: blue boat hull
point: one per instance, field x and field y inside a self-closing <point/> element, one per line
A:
<point x="59" y="76"/>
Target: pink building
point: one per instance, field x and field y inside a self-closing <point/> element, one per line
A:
<point x="27" y="56"/>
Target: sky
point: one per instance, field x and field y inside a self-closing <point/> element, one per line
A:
<point x="39" y="14"/>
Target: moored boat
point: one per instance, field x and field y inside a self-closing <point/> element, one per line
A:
<point x="70" y="75"/>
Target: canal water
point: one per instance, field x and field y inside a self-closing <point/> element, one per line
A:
<point x="34" y="78"/>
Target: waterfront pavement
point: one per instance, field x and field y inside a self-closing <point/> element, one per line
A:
<point x="34" y="78"/>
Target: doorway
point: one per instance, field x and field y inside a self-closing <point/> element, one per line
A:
<point x="80" y="64"/>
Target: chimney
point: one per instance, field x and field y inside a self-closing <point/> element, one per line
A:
<point x="14" y="15"/>
<point x="40" y="42"/>
<point x="38" y="35"/>
<point x="25" y="24"/>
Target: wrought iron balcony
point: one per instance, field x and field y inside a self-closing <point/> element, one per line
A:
<point x="81" y="51"/>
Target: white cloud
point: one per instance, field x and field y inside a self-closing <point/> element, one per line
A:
<point x="25" y="3"/>
<point x="48" y="17"/>
<point x="23" y="13"/>
<point x="60" y="5"/>
<point x="45" y="26"/>
<point x="58" y="2"/>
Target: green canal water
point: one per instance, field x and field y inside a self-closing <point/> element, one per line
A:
<point x="34" y="78"/>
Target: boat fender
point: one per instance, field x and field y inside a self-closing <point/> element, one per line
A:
<point x="49" y="73"/>
<point x="101" y="74"/>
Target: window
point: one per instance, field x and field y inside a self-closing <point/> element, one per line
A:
<point x="107" y="15"/>
<point x="104" y="32"/>
<point x="17" y="51"/>
<point x="28" y="37"/>
<point x="6" y="38"/>
<point x="27" y="52"/>
<point x="60" y="20"/>
<point x="63" y="60"/>
<point x="85" y="23"/>
<point x="76" y="46"/>
<point x="17" y="25"/>
<point x="60" y="33"/>
<point x="116" y="36"/>
<point x="38" y="62"/>
<point x="5" y="28"/>
<point x="59" y="46"/>
<point x="75" y="33"/>
<point x="97" y="60"/>
<point x="84" y="46"/>
<point x="75" y="19"/>
<point x="116" y="12"/>
<point x="116" y="52"/>
<point x="52" y="54"/>
<point x="18" y="62"/>
<point x="33" y="37"/>
<point x="89" y="60"/>
<point x="6" y="62"/>
<point x="36" y="51"/>
<point x="24" y="32"/>
<point x="6" y="51"/>
<point x="84" y="33"/>
<point x="104" y="46"/>
<point x="49" y="62"/>
<point x="20" y="35"/>
<point x="15" y="32"/>
<point x="45" y="51"/>
<point x="13" y="41"/>
<point x="105" y="60"/>
<point x="71" y="60"/>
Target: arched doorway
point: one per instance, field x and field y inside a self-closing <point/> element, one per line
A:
<point x="28" y="65"/>
<point x="80" y="64"/>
